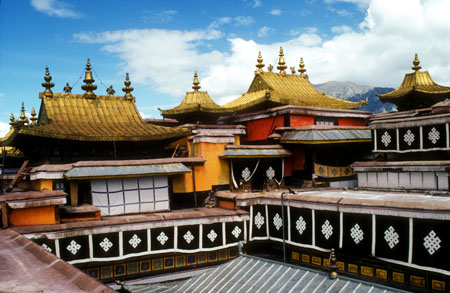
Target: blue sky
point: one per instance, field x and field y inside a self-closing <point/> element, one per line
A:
<point x="161" y="43"/>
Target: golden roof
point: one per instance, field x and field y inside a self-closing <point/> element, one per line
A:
<point x="11" y="152"/>
<point x="418" y="90"/>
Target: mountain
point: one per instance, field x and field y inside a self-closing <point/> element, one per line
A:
<point x="354" y="92"/>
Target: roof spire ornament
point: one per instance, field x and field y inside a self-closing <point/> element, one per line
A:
<point x="23" y="117"/>
<point x="127" y="89"/>
<point x="281" y="64"/>
<point x="89" y="87"/>
<point x="302" y="69"/>
<point x="67" y="89"/>
<point x="12" y="120"/>
<point x="260" y="64"/>
<point x="416" y="63"/>
<point x="196" y="83"/>
<point x="33" y="116"/>
<point x="47" y="84"/>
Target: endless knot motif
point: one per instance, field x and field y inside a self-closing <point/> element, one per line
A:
<point x="188" y="237"/>
<point x="259" y="220"/>
<point x="408" y="137"/>
<point x="134" y="241"/>
<point x="434" y="135"/>
<point x="46" y="247"/>
<point x="277" y="221"/>
<point x="391" y="237"/>
<point x="73" y="247"/>
<point x="212" y="235"/>
<point x="357" y="233"/>
<point x="162" y="238"/>
<point x="236" y="232"/>
<point x="300" y="225"/>
<point x="106" y="244"/>
<point x="334" y="172"/>
<point x="432" y="242"/>
<point x="327" y="229"/>
<point x="246" y="174"/>
<point x="270" y="173"/>
<point x="386" y="139"/>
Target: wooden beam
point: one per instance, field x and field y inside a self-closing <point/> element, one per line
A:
<point x="18" y="176"/>
<point x="4" y="215"/>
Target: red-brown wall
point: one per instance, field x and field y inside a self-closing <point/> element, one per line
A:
<point x="301" y="120"/>
<point x="260" y="129"/>
<point x="351" y="122"/>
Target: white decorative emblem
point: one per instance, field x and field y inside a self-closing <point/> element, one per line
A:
<point x="73" y="247"/>
<point x="259" y="220"/>
<point x="162" y="238"/>
<point x="46" y="247"/>
<point x="188" y="237"/>
<point x="386" y="139"/>
<point x="134" y="241"/>
<point x="246" y="174"/>
<point x="270" y="173"/>
<point x="434" y="135"/>
<point x="212" y="235"/>
<point x="357" y="233"/>
<point x="277" y="221"/>
<point x="106" y="244"/>
<point x="408" y="137"/>
<point x="300" y="225"/>
<point x="391" y="237"/>
<point x="327" y="229"/>
<point x="236" y="232"/>
<point x="432" y="242"/>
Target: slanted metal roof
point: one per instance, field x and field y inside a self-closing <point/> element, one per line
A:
<point x="266" y="151"/>
<point x="321" y="136"/>
<point x="253" y="274"/>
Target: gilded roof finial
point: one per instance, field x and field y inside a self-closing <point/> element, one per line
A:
<point x="67" y="89"/>
<point x="416" y="63"/>
<point x="110" y="91"/>
<point x="33" y="116"/>
<point x="281" y="64"/>
<point x="89" y="87"/>
<point x="270" y="68"/>
<point x="260" y="64"/>
<point x="47" y="84"/>
<point x="127" y="89"/>
<point x="196" y="83"/>
<point x="23" y="117"/>
<point x="12" y="120"/>
<point x="302" y="69"/>
<point x="292" y="70"/>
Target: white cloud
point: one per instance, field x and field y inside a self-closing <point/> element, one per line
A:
<point x="341" y="29"/>
<point x="362" y="4"/>
<point x="255" y="3"/>
<point x="237" y="21"/>
<point x="55" y="8"/>
<point x="159" y="17"/>
<point x="276" y="12"/>
<point x="265" y="31"/>
<point x="378" y="54"/>
<point x="4" y="128"/>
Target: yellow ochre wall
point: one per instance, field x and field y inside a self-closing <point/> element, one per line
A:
<point x="34" y="216"/>
<point x="214" y="172"/>
<point x="43" y="184"/>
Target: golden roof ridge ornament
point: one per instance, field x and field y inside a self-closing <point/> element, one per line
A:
<point x="47" y="84"/>
<point x="196" y="83"/>
<point x="23" y="117"/>
<point x="33" y="116"/>
<point x="281" y="64"/>
<point x="260" y="64"/>
<point x="12" y="120"/>
<point x="416" y="63"/>
<point x="127" y="89"/>
<point x="302" y="69"/>
<point x="89" y="85"/>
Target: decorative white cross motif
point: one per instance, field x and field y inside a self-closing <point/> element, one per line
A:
<point x="246" y="174"/>
<point x="259" y="220"/>
<point x="73" y="247"/>
<point x="212" y="235"/>
<point x="277" y="221"/>
<point x="46" y="247"/>
<point x="106" y="244"/>
<point x="434" y="135"/>
<point x="386" y="139"/>
<point x="300" y="225"/>
<point x="391" y="237"/>
<point x="408" y="137"/>
<point x="357" y="233"/>
<point x="432" y="242"/>
<point x="270" y="173"/>
<point x="327" y="229"/>
<point x="134" y="241"/>
<point x="236" y="231"/>
<point x="188" y="237"/>
<point x="162" y="238"/>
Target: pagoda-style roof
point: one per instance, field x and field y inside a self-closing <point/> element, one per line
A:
<point x="88" y="117"/>
<point x="418" y="90"/>
<point x="196" y="106"/>
<point x="277" y="89"/>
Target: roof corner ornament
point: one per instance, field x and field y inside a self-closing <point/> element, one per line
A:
<point x="110" y="91"/>
<point x="281" y="64"/>
<point x="270" y="68"/>
<point x="12" y="120"/>
<point x="333" y="266"/>
<point x="127" y="89"/>
<point x="89" y="85"/>
<point x="302" y="69"/>
<point x="47" y="84"/>
<point x="33" y="116"/>
<point x="67" y="89"/>
<point x="23" y="117"/>
<point x="196" y="83"/>
<point x="260" y="64"/>
<point x="416" y="63"/>
<point x="292" y="70"/>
